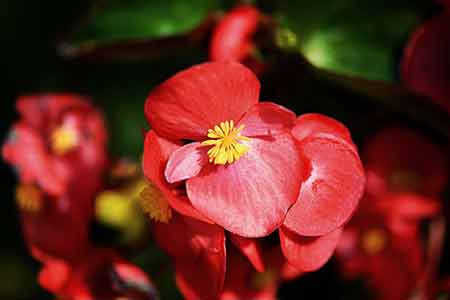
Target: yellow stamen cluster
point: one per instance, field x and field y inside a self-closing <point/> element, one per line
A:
<point x="155" y="204"/>
<point x="29" y="198"/>
<point x="63" y="140"/>
<point x="225" y="141"/>
<point x="374" y="240"/>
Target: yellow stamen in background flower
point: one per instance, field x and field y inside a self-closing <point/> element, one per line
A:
<point x="225" y="141"/>
<point x="262" y="279"/>
<point x="29" y="198"/>
<point x="155" y="204"/>
<point x="63" y="140"/>
<point x="374" y="241"/>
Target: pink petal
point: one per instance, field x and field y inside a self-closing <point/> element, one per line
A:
<point x="332" y="191"/>
<point x="156" y="154"/>
<point x="267" y="118"/>
<point x="308" y="253"/>
<point x="197" y="99"/>
<point x="186" y="162"/>
<point x="312" y="124"/>
<point x="250" y="197"/>
<point x="249" y="248"/>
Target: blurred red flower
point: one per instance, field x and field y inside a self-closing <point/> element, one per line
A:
<point x="399" y="160"/>
<point x="232" y="38"/>
<point x="426" y="59"/>
<point x="59" y="139"/>
<point x="98" y="274"/>
<point x="391" y="263"/>
<point x="248" y="167"/>
<point x="58" y="148"/>
<point x="383" y="242"/>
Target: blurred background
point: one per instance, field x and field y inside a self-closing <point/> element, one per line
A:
<point x="341" y="58"/>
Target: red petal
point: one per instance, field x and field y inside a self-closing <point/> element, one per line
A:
<point x="332" y="191"/>
<point x="231" y="39"/>
<point x="240" y="281"/>
<point x="186" y="162"/>
<point x="267" y="118"/>
<point x="202" y="278"/>
<point x="47" y="231"/>
<point x="26" y="151"/>
<point x="249" y="248"/>
<point x="197" y="99"/>
<point x="425" y="66"/>
<point x="187" y="238"/>
<point x="38" y="110"/>
<point x="308" y="253"/>
<point x="199" y="252"/>
<point x="411" y="206"/>
<point x="251" y="196"/>
<point x="312" y="124"/>
<point x="156" y="154"/>
<point x="54" y="275"/>
<point x="275" y="260"/>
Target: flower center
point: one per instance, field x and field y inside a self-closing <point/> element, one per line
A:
<point x="374" y="240"/>
<point x="29" y="198"/>
<point x="155" y="204"/>
<point x="402" y="180"/>
<point x="224" y="139"/>
<point x="63" y="140"/>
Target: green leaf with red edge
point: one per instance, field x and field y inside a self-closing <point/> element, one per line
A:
<point x="139" y="29"/>
<point x="352" y="37"/>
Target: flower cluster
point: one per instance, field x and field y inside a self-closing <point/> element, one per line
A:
<point x="406" y="173"/>
<point x="58" y="149"/>
<point x="225" y="167"/>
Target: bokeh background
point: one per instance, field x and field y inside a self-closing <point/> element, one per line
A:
<point x="363" y="38"/>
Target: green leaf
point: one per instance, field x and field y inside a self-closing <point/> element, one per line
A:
<point x="143" y="19"/>
<point x="353" y="37"/>
<point x="139" y="28"/>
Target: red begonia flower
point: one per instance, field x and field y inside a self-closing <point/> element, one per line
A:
<point x="215" y="154"/>
<point x="99" y="274"/>
<point x="198" y="250"/>
<point x="400" y="160"/>
<point x="257" y="160"/>
<point x="426" y="60"/>
<point x="232" y="39"/>
<point x="369" y="248"/>
<point x="59" y="139"/>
